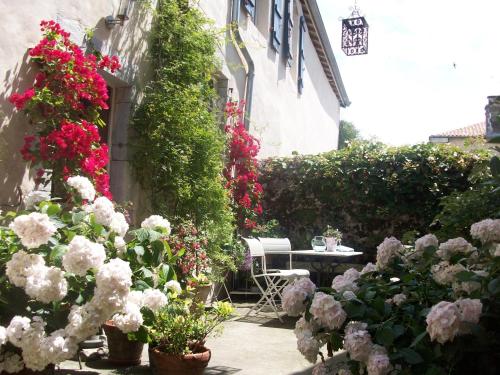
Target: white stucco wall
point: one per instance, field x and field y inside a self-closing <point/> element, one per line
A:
<point x="19" y="30"/>
<point x="281" y="118"/>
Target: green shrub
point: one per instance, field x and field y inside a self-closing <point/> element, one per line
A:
<point x="368" y="190"/>
<point x="179" y="145"/>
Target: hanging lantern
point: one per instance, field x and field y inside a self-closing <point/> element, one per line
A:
<point x="355" y="34"/>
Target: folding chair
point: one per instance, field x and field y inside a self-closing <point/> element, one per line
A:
<point x="270" y="284"/>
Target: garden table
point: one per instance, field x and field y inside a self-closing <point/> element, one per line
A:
<point x="323" y="257"/>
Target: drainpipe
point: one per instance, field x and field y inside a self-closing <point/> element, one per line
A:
<point x="240" y="45"/>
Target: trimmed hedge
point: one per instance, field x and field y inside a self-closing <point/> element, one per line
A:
<point x="368" y="190"/>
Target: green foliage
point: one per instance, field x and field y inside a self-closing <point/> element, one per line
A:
<point x="178" y="143"/>
<point x="368" y="190"/>
<point x="182" y="327"/>
<point x="347" y="133"/>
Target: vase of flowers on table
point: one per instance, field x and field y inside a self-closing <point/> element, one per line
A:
<point x="333" y="237"/>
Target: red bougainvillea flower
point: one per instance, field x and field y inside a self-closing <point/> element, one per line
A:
<point x="241" y="170"/>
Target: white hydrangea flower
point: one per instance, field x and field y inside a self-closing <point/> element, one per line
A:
<point x="445" y="273"/>
<point x="3" y="336"/>
<point x="309" y="347"/>
<point x="119" y="224"/>
<point x="83" y="255"/>
<point x="496" y="251"/>
<point x="326" y="311"/>
<point x="378" y="361"/>
<point x="17" y="328"/>
<point x="321" y="369"/>
<point x="426" y="241"/>
<point x="83" y="321"/>
<point x="130" y="319"/>
<point x="83" y="185"/>
<point x="104" y="211"/>
<point x="357" y="341"/>
<point x="173" y="286"/>
<point x="113" y="282"/>
<point x="156" y="221"/>
<point x="34" y="197"/>
<point x="466" y="286"/>
<point x="486" y="231"/>
<point x="295" y="294"/>
<point x="399" y="299"/>
<point x="154" y="299"/>
<point x="11" y="363"/>
<point x="347" y="281"/>
<point x="17" y="269"/>
<point x="34" y="229"/>
<point x="136" y="297"/>
<point x="443" y="322"/>
<point x="470" y="313"/>
<point x="369" y="267"/>
<point x="120" y="245"/>
<point x="348" y="295"/>
<point x="304" y="328"/>
<point x="454" y="246"/>
<point x="58" y="347"/>
<point x="389" y="249"/>
<point x="46" y="284"/>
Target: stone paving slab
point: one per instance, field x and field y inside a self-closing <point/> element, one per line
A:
<point x="256" y="345"/>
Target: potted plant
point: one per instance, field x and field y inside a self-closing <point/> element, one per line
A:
<point x="151" y="261"/>
<point x="333" y="237"/>
<point x="178" y="333"/>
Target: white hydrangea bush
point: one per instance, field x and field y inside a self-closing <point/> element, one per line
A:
<point x="430" y="307"/>
<point x="78" y="259"/>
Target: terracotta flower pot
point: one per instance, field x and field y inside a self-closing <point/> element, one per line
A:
<point x="122" y="351"/>
<point x="171" y="364"/>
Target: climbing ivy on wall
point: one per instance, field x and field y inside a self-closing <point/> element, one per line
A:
<point x="368" y="191"/>
<point x="179" y="146"/>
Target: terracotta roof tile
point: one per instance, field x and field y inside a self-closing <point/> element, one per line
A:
<point x="475" y="130"/>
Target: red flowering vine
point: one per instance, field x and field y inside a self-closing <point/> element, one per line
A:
<point x="66" y="98"/>
<point x="241" y="170"/>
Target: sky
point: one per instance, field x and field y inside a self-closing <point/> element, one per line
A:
<point x="430" y="67"/>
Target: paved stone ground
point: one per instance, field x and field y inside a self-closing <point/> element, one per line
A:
<point x="248" y="346"/>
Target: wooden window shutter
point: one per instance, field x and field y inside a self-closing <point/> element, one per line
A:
<point x="277" y="20"/>
<point x="302" y="66"/>
<point x="250" y="7"/>
<point x="289" y="31"/>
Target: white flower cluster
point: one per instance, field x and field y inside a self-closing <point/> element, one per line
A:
<point x="154" y="299"/>
<point x="34" y="197"/>
<point x="369" y="267"/>
<point x="120" y="245"/>
<point x="105" y="214"/>
<point x="129" y="319"/>
<point x="11" y="363"/>
<point x="39" y="349"/>
<point x="173" y="286"/>
<point x="447" y="319"/>
<point x="321" y="369"/>
<point x="83" y="186"/>
<point x="326" y="311"/>
<point x="445" y="273"/>
<point x="83" y="255"/>
<point x="399" y="299"/>
<point x="429" y="240"/>
<point x="307" y="344"/>
<point x="388" y="250"/>
<point x="347" y="281"/>
<point x="378" y="361"/>
<point x="357" y="341"/>
<point x="34" y="229"/>
<point x="156" y="221"/>
<point x="454" y="246"/>
<point x="28" y="271"/>
<point x="295" y="294"/>
<point x="487" y="231"/>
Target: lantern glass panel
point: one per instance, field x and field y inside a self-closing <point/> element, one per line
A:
<point x="355" y="36"/>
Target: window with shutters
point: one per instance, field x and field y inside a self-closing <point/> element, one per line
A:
<point x="277" y="19"/>
<point x="302" y="67"/>
<point x="250" y="8"/>
<point x="288" y="31"/>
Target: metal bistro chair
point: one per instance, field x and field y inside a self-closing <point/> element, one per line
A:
<point x="267" y="282"/>
<point x="283" y="245"/>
